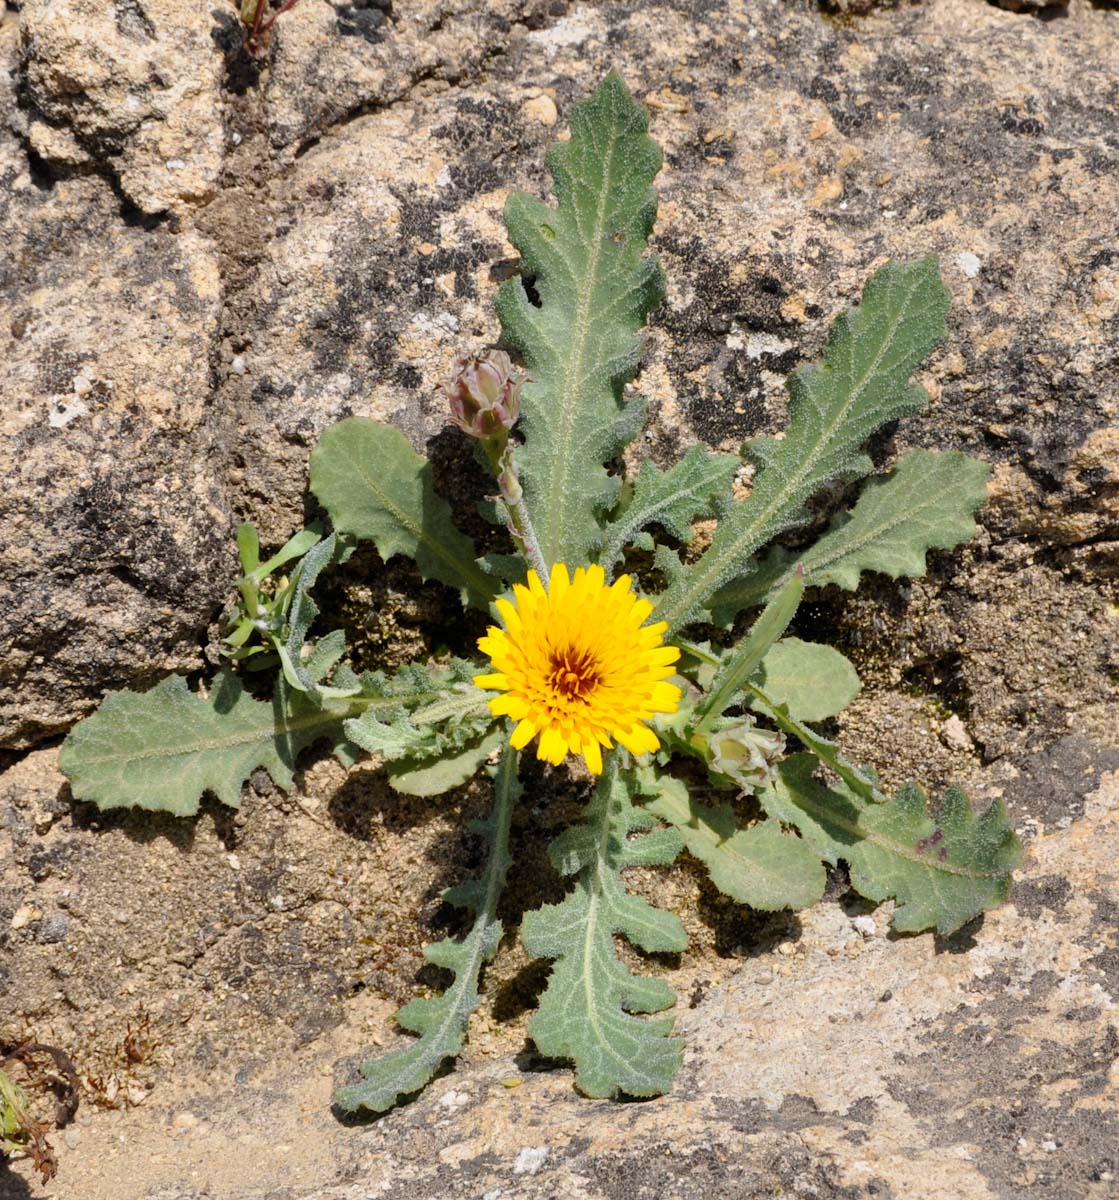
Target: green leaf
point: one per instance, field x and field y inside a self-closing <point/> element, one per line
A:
<point x="163" y="749"/>
<point x="434" y="774"/>
<point x="943" y="869"/>
<point x="814" y="682"/>
<point x="586" y="1012"/>
<point x="595" y="287"/>
<point x="441" y="1021"/>
<point x="827" y="752"/>
<point x="697" y="486"/>
<point x="294" y="547"/>
<point x="928" y="502"/>
<point x="248" y="547"/>
<point x="305" y="673"/>
<point x="432" y="727"/>
<point x="376" y="487"/>
<point x="745" y="658"/>
<point x="834" y="407"/>
<point x="760" y="866"/>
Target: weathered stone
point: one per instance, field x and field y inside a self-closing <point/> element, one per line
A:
<point x="113" y="524"/>
<point x="838" y="1059"/>
<point x="130" y="89"/>
<point x="331" y="63"/>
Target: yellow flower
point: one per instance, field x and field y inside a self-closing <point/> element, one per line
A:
<point x="577" y="666"/>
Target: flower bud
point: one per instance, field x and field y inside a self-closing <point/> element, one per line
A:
<point x="484" y="394"/>
<point x="746" y="754"/>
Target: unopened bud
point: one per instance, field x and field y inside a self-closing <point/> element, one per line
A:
<point x="746" y="754"/>
<point x="484" y="394"/>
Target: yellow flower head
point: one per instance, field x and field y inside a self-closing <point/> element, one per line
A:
<point x="577" y="666"/>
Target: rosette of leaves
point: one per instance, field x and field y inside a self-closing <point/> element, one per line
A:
<point x="578" y="334"/>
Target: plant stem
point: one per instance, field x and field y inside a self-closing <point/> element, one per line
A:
<point x="747" y="656"/>
<point x="512" y="503"/>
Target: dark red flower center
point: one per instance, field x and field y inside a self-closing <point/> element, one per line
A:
<point x="574" y="673"/>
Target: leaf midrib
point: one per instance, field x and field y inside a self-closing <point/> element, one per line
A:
<point x="433" y="1043"/>
<point x="557" y="519"/>
<point x="748" y="595"/>
<point x="825" y="817"/>
<point x="260" y="733"/>
<point x="477" y="580"/>
<point x="702" y="580"/>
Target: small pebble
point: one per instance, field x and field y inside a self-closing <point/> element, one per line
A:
<point x="53" y="928"/>
<point x="865" y="925"/>
<point x="24" y="915"/>
<point x="542" y="109"/>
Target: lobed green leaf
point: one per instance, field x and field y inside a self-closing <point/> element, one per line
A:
<point x="432" y="746"/>
<point x="928" y="502"/>
<point x="586" y="1013"/>
<point x="943" y="868"/>
<point x="834" y="407"/>
<point x="595" y="288"/>
<point x="697" y="486"/>
<point x="761" y="866"/>
<point x="164" y="749"/>
<point x="441" y="1021"/>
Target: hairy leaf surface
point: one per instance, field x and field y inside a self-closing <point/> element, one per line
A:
<point x="834" y="407"/>
<point x="744" y="659"/>
<point x="697" y="486"/>
<point x="376" y="487"/>
<point x="760" y="866"/>
<point x="164" y="749"/>
<point x="814" y="682"/>
<point x="580" y="343"/>
<point x="441" y="1021"/>
<point x="436" y="745"/>
<point x="943" y="868"/>
<point x="586" y="1013"/>
<point x="928" y="502"/>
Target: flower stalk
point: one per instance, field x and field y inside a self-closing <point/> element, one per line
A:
<point x="484" y="395"/>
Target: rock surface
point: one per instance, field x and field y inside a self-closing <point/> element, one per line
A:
<point x="176" y="336"/>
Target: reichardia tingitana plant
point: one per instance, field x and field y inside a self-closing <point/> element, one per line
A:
<point x="581" y="661"/>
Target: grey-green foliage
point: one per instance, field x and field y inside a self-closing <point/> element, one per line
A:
<point x="165" y="748"/>
<point x="927" y="502"/>
<point x="834" y="407"/>
<point x="587" y="1013"/>
<point x="943" y="868"/>
<point x="697" y="486"/>
<point x="814" y="682"/>
<point x="431" y="727"/>
<point x="580" y="344"/>
<point x="377" y="488"/>
<point x="441" y="1020"/>
<point x="434" y="747"/>
<point x="761" y="866"/>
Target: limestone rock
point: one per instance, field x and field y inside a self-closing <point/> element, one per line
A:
<point x="338" y="242"/>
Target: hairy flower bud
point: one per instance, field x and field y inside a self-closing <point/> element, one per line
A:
<point x="484" y="394"/>
<point x="746" y="754"/>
